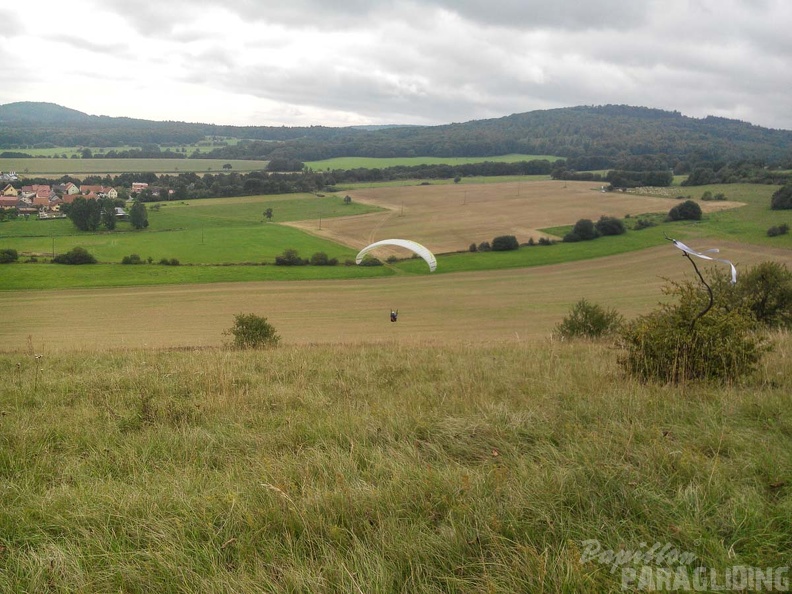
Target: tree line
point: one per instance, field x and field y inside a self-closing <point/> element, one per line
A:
<point x="593" y="132"/>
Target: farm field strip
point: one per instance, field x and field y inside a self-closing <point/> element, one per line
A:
<point x="448" y="218"/>
<point x="520" y="304"/>
<point x="42" y="167"/>
<point x="383" y="162"/>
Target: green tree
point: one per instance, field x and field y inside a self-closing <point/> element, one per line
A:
<point x="108" y="213"/>
<point x="610" y="226"/>
<point x="138" y="216"/>
<point x="290" y="257"/>
<point x="687" y="211"/>
<point x="8" y="255"/>
<point x="782" y="198"/>
<point x="85" y="214"/>
<point x="584" y="230"/>
<point x="504" y="243"/>
<point x="268" y="214"/>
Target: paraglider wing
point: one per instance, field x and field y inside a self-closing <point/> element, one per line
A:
<point x="405" y="243"/>
<point x="704" y="256"/>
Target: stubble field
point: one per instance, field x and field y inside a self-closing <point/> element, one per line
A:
<point x="488" y="306"/>
<point x="448" y="218"/>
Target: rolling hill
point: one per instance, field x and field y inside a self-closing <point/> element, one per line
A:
<point x="596" y="134"/>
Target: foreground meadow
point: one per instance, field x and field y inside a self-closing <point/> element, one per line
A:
<point x="384" y="468"/>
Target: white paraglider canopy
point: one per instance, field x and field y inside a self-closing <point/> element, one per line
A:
<point x="405" y="243"/>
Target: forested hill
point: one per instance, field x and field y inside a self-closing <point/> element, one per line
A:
<point x="584" y="133"/>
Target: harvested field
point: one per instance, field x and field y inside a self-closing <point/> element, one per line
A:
<point x="502" y="305"/>
<point x="448" y="218"/>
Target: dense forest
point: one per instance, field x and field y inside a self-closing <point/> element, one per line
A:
<point x="588" y="137"/>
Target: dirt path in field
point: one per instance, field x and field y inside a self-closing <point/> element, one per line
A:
<point x="448" y="218"/>
<point x="504" y="305"/>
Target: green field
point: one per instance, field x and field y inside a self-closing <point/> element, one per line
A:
<point x="227" y="231"/>
<point x="381" y="163"/>
<point x="211" y="231"/>
<point x="43" y="167"/>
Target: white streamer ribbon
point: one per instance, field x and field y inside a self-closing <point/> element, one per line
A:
<point x="704" y="255"/>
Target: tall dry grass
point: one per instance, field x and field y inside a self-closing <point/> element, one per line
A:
<point x="379" y="468"/>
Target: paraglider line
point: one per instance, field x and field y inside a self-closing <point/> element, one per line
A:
<point x="701" y="278"/>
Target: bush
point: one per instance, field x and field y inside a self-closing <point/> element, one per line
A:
<point x="131" y="259"/>
<point x="76" y="255"/>
<point x="589" y="320"/>
<point x="687" y="211"/>
<point x="774" y="231"/>
<point x="472" y="247"/>
<point x="610" y="226"/>
<point x="673" y="344"/>
<point x="545" y="241"/>
<point x="252" y="332"/>
<point x="321" y="259"/>
<point x="289" y="257"/>
<point x="782" y="198"/>
<point x="584" y="230"/>
<point x="505" y="243"/>
<point x="643" y="224"/>
<point x="8" y="255"/>
<point x="484" y="246"/>
<point x="169" y="262"/>
<point x="766" y="292"/>
<point x="370" y="261"/>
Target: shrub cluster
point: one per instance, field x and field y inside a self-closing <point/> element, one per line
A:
<point x="765" y="291"/>
<point x="584" y="230"/>
<point x="370" y="261"/>
<point x="782" y="198"/>
<point x="776" y="230"/>
<point x="643" y="224"/>
<point x="505" y="243"/>
<point x="132" y="259"/>
<point x="8" y="255"/>
<point x="676" y="343"/>
<point x="169" y="262"/>
<point x="589" y="320"/>
<point x="76" y="255"/>
<point x="252" y="332"/>
<point x="321" y="259"/>
<point x="610" y="226"/>
<point x="687" y="211"/>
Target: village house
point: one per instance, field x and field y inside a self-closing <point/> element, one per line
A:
<point x="9" y="201"/>
<point x="10" y="190"/>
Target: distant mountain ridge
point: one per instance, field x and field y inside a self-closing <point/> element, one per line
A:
<point x="584" y="132"/>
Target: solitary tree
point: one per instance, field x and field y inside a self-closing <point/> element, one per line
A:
<point x="268" y="214"/>
<point x="782" y="198"/>
<point x="138" y="215"/>
<point x="687" y="211"/>
<point x="108" y="213"/>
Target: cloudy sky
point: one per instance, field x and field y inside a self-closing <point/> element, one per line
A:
<point x="351" y="62"/>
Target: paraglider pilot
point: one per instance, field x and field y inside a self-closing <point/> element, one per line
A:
<point x="394" y="315"/>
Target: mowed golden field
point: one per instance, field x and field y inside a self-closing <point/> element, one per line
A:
<point x="465" y="307"/>
<point x="448" y="218"/>
<point x="459" y="308"/>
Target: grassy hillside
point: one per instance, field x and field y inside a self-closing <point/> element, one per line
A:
<point x="382" y="469"/>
